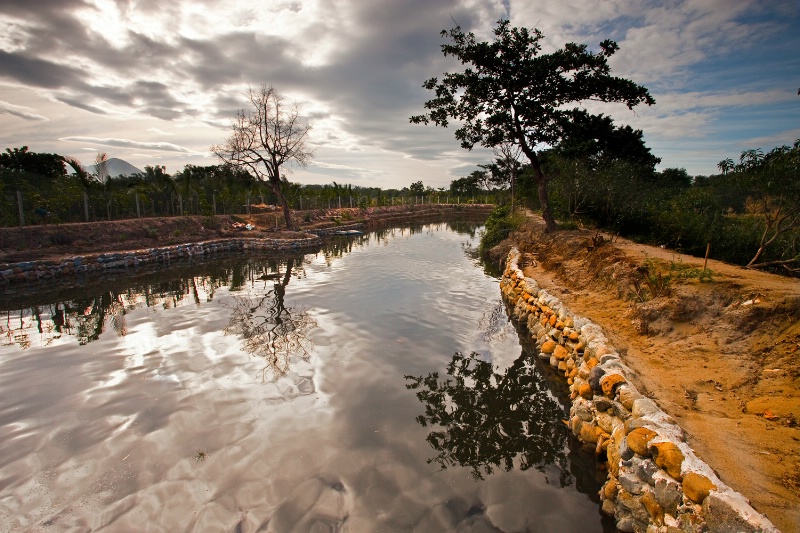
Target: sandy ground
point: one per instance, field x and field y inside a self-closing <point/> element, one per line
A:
<point x="722" y="356"/>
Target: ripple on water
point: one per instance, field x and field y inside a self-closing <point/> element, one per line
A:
<point x="169" y="420"/>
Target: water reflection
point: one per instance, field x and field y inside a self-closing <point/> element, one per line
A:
<point x="124" y="406"/>
<point x="269" y="329"/>
<point x="492" y="420"/>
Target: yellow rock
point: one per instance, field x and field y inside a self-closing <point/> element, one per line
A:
<point x="589" y="433"/>
<point x="653" y="507"/>
<point x="610" y="489"/>
<point x="573" y="336"/>
<point x="610" y="382"/>
<point x="560" y="352"/>
<point x="697" y="486"/>
<point x="547" y="311"/>
<point x="553" y="320"/>
<point x="601" y="351"/>
<point x="669" y="457"/>
<point x="548" y="347"/>
<point x="569" y="322"/>
<point x="639" y="438"/>
<point x="592" y="362"/>
<point x="585" y="391"/>
<point x="573" y="373"/>
<point x="559" y="325"/>
<point x="575" y="424"/>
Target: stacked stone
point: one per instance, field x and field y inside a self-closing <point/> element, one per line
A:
<point x="656" y="483"/>
<point x="335" y="229"/>
<point x="32" y="271"/>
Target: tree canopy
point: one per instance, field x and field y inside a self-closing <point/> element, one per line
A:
<point x="511" y="92"/>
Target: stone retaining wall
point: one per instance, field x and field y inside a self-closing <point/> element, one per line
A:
<point x="656" y="483"/>
<point x="32" y="271"/>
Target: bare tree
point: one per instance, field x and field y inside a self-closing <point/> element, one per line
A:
<point x="265" y="138"/>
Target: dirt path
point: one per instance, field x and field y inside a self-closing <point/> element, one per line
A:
<point x="722" y="357"/>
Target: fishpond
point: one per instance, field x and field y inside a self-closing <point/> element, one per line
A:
<point x="375" y="386"/>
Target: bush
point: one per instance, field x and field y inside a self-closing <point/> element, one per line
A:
<point x="498" y="226"/>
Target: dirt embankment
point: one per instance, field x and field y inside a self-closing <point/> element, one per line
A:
<point x="721" y="356"/>
<point x="56" y="241"/>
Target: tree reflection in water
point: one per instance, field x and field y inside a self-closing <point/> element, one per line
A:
<point x="271" y="330"/>
<point x="492" y="420"/>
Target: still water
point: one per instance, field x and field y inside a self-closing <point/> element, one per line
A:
<point x="374" y="386"/>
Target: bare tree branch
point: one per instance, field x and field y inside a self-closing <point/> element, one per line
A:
<point x="267" y="138"/>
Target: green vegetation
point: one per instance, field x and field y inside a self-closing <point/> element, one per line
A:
<point x="498" y="227"/>
<point x="510" y="93"/>
<point x="35" y="188"/>
<point x="584" y="170"/>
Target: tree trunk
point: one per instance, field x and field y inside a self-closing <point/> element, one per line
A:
<point x="541" y="186"/>
<point x="276" y="188"/>
<point x="541" y="180"/>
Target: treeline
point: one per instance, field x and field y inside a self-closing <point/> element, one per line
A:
<point x="37" y="188"/>
<point x="749" y="212"/>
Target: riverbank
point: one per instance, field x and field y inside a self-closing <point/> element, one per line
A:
<point x="719" y="356"/>
<point x="52" y="242"/>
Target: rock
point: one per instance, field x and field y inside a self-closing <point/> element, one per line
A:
<point x="697" y="487"/>
<point x="625" y="451"/>
<point x="626" y="524"/>
<point x="585" y="390"/>
<point x="592" y="362"/>
<point x="602" y="404"/>
<point x="646" y="470"/>
<point x="560" y="352"/>
<point x="589" y="433"/>
<point x="667" y="492"/>
<point x="583" y="409"/>
<point x="575" y="424"/>
<point x="595" y="375"/>
<point x="631" y="483"/>
<point x="574" y="337"/>
<point x="609" y="384"/>
<point x="639" y="438"/>
<point x="653" y="508"/>
<point x="548" y="347"/>
<point x="608" y="508"/>
<point x="606" y="422"/>
<point x="610" y="489"/>
<point x="633" y="504"/>
<point x="627" y="395"/>
<point x="669" y="457"/>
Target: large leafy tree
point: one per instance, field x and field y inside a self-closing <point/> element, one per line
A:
<point x="511" y="92"/>
<point x="265" y="138"/>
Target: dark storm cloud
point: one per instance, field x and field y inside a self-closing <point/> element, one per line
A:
<point x="371" y="80"/>
<point x="37" y="72"/>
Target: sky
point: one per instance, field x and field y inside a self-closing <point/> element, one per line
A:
<point x="157" y="83"/>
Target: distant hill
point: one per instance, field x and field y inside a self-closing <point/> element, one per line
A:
<point x="116" y="167"/>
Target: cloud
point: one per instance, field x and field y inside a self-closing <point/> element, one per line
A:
<point x="26" y="113"/>
<point x="127" y="143"/>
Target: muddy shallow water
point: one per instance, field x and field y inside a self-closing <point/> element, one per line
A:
<point x="376" y="386"/>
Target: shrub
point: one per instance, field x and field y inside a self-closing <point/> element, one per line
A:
<point x="498" y="226"/>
